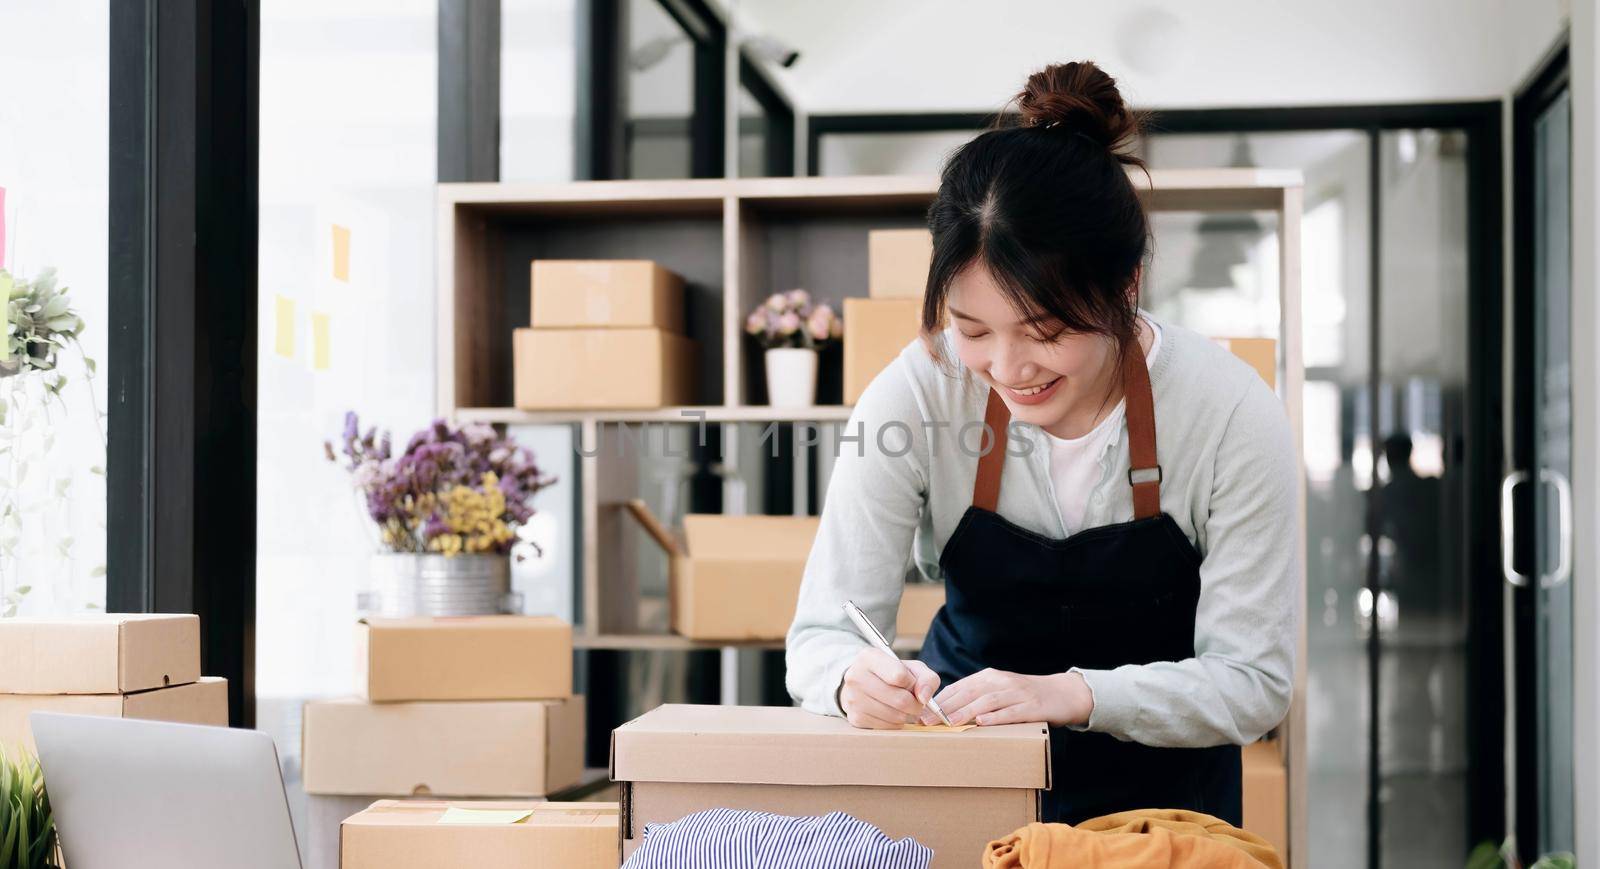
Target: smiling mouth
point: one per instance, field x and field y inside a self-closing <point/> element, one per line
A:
<point x="1033" y="390"/>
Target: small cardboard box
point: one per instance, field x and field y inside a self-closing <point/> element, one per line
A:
<point x="919" y="603"/>
<point x="875" y="331"/>
<point x="467" y="658"/>
<point x="201" y="702"/>
<point x="1261" y="353"/>
<point x="1266" y="794"/>
<point x="897" y="263"/>
<point x="409" y="835"/>
<point x="951" y="791"/>
<point x="613" y="293"/>
<point x="734" y="578"/>
<point x="500" y="748"/>
<point x="597" y="369"/>
<point x="102" y="653"/>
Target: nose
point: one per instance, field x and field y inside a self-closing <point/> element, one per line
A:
<point x="1010" y="365"/>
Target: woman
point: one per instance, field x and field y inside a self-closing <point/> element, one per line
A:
<point x="1129" y="583"/>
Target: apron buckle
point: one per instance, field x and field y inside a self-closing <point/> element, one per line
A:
<point x="1145" y="474"/>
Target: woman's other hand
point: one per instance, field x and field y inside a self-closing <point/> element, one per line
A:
<point x="999" y="697"/>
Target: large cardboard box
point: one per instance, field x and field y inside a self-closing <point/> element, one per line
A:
<point x="201" y="702"/>
<point x="734" y="577"/>
<point x="615" y="293"/>
<point x="102" y="653"/>
<point x="875" y="331"/>
<point x="919" y="603"/>
<point x="419" y="835"/>
<point x="897" y="263"/>
<point x="499" y="748"/>
<point x="1266" y="794"/>
<point x="952" y="791"/>
<point x="465" y="658"/>
<point x="597" y="369"/>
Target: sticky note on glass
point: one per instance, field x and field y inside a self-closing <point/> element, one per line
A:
<point x="283" y="339"/>
<point x="341" y="253"/>
<point x="484" y="817"/>
<point x="320" y="358"/>
<point x="937" y="728"/>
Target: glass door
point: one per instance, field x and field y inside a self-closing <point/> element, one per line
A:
<point x="1537" y="490"/>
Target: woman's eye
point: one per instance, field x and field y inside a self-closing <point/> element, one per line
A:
<point x="1048" y="339"/>
<point x="972" y="335"/>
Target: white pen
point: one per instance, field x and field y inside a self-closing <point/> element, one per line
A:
<point x="870" y="633"/>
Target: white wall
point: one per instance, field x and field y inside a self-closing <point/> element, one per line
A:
<point x="949" y="55"/>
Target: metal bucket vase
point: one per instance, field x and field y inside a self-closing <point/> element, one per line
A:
<point x="405" y="585"/>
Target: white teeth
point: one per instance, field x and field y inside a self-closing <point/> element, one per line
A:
<point x="1034" y="390"/>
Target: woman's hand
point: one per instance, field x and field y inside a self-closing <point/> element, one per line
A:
<point x="878" y="693"/>
<point x="999" y="697"/>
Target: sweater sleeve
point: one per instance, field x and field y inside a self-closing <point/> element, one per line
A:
<point x="875" y="500"/>
<point x="1238" y="685"/>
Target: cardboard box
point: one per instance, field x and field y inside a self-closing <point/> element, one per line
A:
<point x="897" y="263"/>
<point x="409" y="835"/>
<point x="919" y="603"/>
<point x="105" y="653"/>
<point x="498" y="748"/>
<point x="598" y="369"/>
<point x="735" y="577"/>
<point x="470" y="658"/>
<point x="951" y="791"/>
<point x="1266" y="795"/>
<point x="615" y="293"/>
<point x="201" y="702"/>
<point x="875" y="331"/>
<point x="1261" y="353"/>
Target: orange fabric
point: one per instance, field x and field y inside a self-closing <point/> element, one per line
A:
<point x="1143" y="839"/>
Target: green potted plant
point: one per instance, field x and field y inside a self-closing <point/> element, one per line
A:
<point x="27" y="829"/>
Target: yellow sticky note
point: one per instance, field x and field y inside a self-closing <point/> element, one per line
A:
<point x="341" y="253"/>
<point x="484" y="817"/>
<point x="319" y="341"/>
<point x="283" y="341"/>
<point x="937" y="728"/>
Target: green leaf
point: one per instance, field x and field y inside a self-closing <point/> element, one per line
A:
<point x="98" y="471"/>
<point x="23" y="589"/>
<point x="89" y="364"/>
<point x="98" y="571"/>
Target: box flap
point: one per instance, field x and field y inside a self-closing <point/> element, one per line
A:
<point x="786" y="745"/>
<point x="401" y="813"/>
<point x="476" y="623"/>
<point x="751" y="538"/>
<point x="653" y="526"/>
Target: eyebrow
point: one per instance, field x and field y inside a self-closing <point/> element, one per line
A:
<point x="1035" y="320"/>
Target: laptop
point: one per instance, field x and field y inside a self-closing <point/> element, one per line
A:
<point x="129" y="794"/>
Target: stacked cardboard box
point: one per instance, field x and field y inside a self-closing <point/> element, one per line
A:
<point x="461" y="707"/>
<point x="877" y="328"/>
<point x="604" y="334"/>
<point x="953" y="791"/>
<point x="119" y="665"/>
<point x="480" y="835"/>
<point x="1266" y="793"/>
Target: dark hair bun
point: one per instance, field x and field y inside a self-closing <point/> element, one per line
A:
<point x="1080" y="97"/>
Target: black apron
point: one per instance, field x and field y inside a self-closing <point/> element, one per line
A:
<point x="1102" y="598"/>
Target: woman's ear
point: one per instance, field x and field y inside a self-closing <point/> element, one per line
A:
<point x="1133" y="284"/>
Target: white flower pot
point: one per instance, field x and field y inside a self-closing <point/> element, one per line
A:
<point x="791" y="377"/>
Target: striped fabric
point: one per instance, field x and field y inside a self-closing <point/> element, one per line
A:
<point x="736" y="839"/>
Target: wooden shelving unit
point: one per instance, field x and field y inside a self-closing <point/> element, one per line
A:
<point x="735" y="241"/>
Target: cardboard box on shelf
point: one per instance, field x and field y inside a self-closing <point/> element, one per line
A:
<point x="919" y="603"/>
<point x="613" y="293"/>
<point x="1266" y="794"/>
<point x="468" y="658"/>
<point x="480" y="835"/>
<point x="953" y="791"/>
<point x="734" y="578"/>
<point x="598" y="369"/>
<point x="472" y="748"/>
<point x="897" y="263"/>
<point x="1261" y="353"/>
<point x="101" y="653"/>
<point x="875" y="331"/>
<point x="201" y="702"/>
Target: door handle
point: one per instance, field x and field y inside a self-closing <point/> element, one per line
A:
<point x="1563" y="568"/>
<point x="1508" y="570"/>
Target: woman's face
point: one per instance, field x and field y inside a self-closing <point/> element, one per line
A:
<point x="1038" y="369"/>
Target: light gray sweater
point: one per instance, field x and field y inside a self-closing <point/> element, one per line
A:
<point x="1229" y="480"/>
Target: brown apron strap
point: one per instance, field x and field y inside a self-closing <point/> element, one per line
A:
<point x="986" y="489"/>
<point x="1144" y="473"/>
